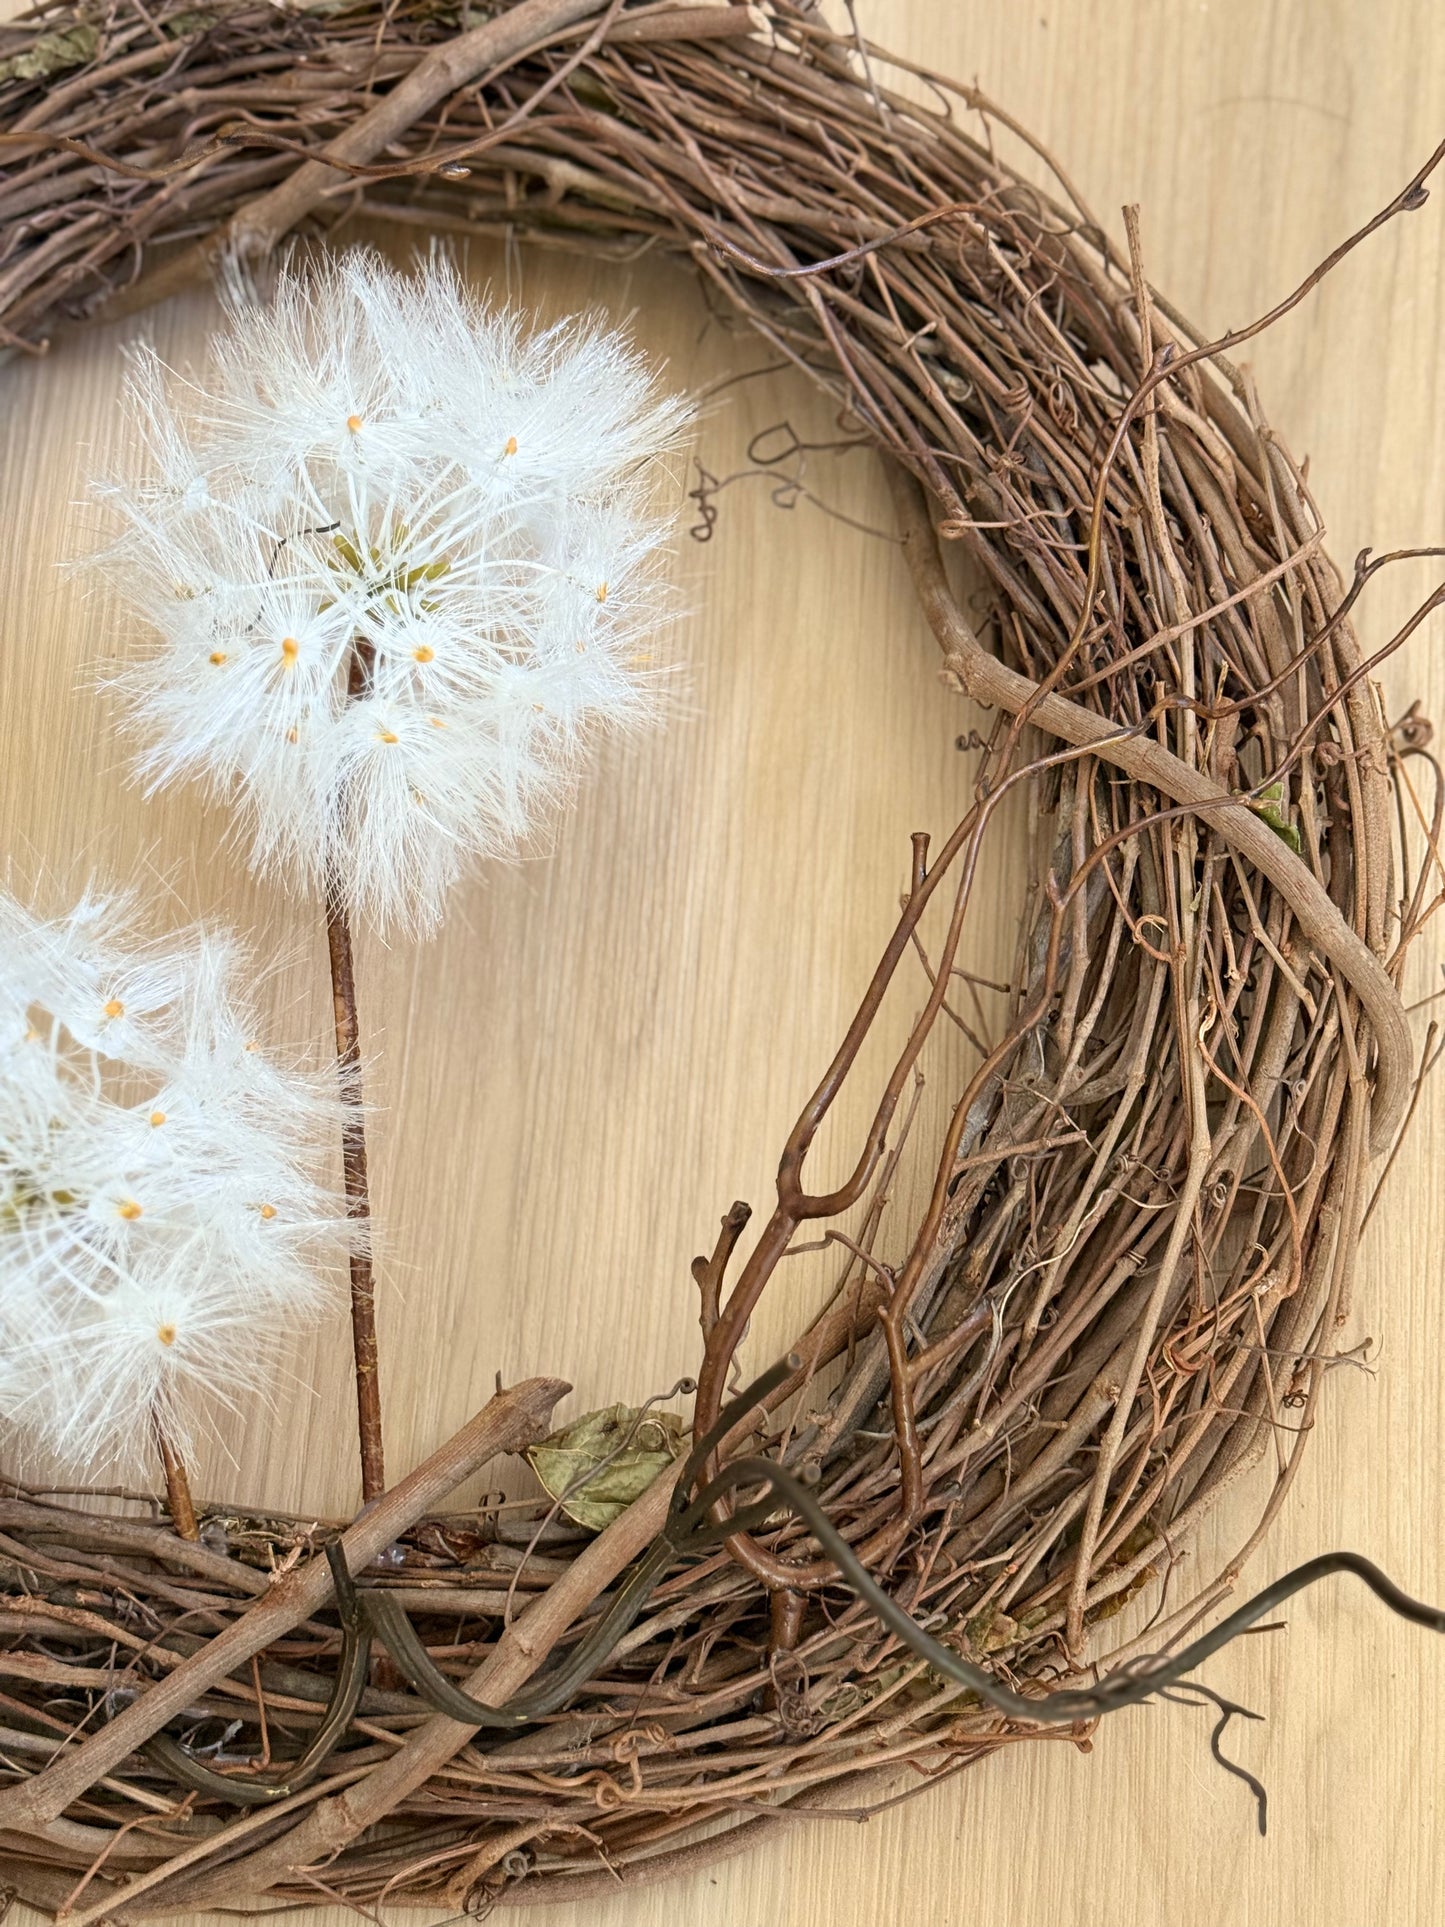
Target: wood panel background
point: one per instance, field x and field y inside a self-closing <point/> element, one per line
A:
<point x="608" y="1043"/>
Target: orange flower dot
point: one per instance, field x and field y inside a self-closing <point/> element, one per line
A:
<point x="290" y="648"/>
<point x="268" y="1211"/>
<point x="292" y="736"/>
<point x="601" y="591"/>
<point x="353" y="422"/>
<point x="436" y="722"/>
<point x="166" y="1334"/>
<point x="424" y="653"/>
<point x="158" y="1118"/>
<point x="218" y="656"/>
<point x="115" y="1008"/>
<point x="511" y="447"/>
<point x="130" y="1210"/>
<point x="386" y="735"/>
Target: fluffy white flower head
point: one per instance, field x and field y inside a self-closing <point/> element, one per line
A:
<point x="402" y="559"/>
<point x="164" y="1228"/>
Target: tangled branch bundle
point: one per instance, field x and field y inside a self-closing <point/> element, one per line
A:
<point x="1136" y="1258"/>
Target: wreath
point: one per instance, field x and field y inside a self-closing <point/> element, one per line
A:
<point x="904" y="1543"/>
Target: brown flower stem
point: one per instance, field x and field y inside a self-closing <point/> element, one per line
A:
<point x="358" y="1196"/>
<point x="178" y="1487"/>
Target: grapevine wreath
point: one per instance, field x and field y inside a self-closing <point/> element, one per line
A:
<point x="904" y="1543"/>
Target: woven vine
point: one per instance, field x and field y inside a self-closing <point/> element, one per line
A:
<point x="1133" y="1267"/>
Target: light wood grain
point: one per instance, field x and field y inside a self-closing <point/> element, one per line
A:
<point x="607" y="1044"/>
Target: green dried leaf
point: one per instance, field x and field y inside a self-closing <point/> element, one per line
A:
<point x="1270" y="805"/>
<point x="592" y="93"/>
<point x="183" y="26"/>
<point x="846" y="1699"/>
<point x="53" y="53"/>
<point x="993" y="1632"/>
<point x="599" y="1465"/>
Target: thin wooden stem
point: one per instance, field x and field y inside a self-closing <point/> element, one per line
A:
<point x="353" y="1150"/>
<point x="358" y="1195"/>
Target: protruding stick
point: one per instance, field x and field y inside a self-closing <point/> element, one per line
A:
<point x="178" y="1487"/>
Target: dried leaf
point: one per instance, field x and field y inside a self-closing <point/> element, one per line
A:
<point x="1270" y="804"/>
<point x="599" y="1465"/>
<point x="186" y="25"/>
<point x="53" y="53"/>
<point x="846" y="1699"/>
<point x="993" y="1632"/>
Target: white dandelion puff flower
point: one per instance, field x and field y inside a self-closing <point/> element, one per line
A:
<point x="391" y="519"/>
<point x="166" y="1230"/>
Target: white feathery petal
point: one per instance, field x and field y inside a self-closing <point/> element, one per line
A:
<point x="420" y="790"/>
<point x="165" y="1227"/>
<point x="171" y="1335"/>
<point x="390" y="511"/>
<point x="111" y="991"/>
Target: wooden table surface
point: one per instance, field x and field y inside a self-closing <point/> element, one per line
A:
<point x="608" y="1043"/>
